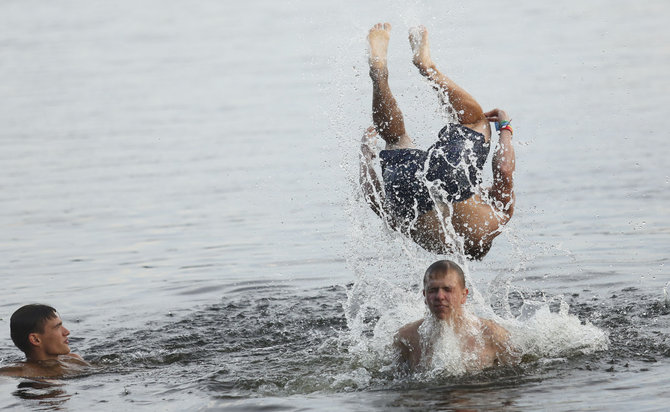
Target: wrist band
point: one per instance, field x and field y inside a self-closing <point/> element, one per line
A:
<point x="502" y="124"/>
<point x="508" y="128"/>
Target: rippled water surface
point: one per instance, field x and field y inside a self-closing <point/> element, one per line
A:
<point x="179" y="182"/>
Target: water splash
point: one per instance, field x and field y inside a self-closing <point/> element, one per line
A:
<point x="388" y="267"/>
<point x="545" y="334"/>
<point x="439" y="356"/>
<point x="387" y="295"/>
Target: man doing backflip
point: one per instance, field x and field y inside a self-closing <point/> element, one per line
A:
<point x="425" y="190"/>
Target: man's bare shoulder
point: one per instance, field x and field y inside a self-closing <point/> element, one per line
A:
<point x="73" y="358"/>
<point x="407" y="337"/>
<point x="70" y="364"/>
<point x="409" y="330"/>
<point x="492" y="330"/>
<point x="14" y="370"/>
<point x="23" y="370"/>
<point x="407" y="341"/>
<point x="499" y="339"/>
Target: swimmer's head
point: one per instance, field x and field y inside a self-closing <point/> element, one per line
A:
<point x="442" y="268"/>
<point x="444" y="290"/>
<point x="29" y="319"/>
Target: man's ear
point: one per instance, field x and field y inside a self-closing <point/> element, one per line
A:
<point x="465" y="295"/>
<point x="33" y="339"/>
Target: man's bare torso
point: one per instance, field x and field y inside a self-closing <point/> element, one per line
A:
<point x="483" y="341"/>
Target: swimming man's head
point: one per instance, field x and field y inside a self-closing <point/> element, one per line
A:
<point x="442" y="268"/>
<point x="444" y="289"/>
<point x="27" y="320"/>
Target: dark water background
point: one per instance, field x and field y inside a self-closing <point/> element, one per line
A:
<point x="178" y="182"/>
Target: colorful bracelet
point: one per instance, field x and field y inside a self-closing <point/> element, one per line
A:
<point x="502" y="124"/>
<point x="508" y="128"/>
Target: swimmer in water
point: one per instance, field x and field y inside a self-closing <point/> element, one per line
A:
<point x="39" y="332"/>
<point x="482" y="343"/>
<point x="408" y="201"/>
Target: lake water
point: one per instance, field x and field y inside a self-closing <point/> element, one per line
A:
<point x="179" y="182"/>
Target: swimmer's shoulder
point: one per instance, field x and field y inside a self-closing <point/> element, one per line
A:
<point x="499" y="340"/>
<point x="493" y="331"/>
<point x="407" y="337"/>
<point x="409" y="330"/>
<point x="407" y="342"/>
<point x="72" y="356"/>
<point x="21" y="370"/>
<point x="13" y="370"/>
<point x="73" y="359"/>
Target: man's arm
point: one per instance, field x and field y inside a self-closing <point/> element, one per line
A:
<point x="401" y="350"/>
<point x="370" y="183"/>
<point x="505" y="353"/>
<point x="503" y="164"/>
<point x="407" y="345"/>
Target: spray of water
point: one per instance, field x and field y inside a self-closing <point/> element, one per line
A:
<point x="387" y="295"/>
<point x="388" y="266"/>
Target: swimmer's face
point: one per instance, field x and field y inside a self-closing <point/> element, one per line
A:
<point x="53" y="340"/>
<point x="444" y="295"/>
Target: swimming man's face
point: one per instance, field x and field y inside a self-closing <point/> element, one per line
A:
<point x="53" y="340"/>
<point x="444" y="295"/>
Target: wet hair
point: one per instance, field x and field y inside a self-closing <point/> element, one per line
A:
<point x="29" y="319"/>
<point x="442" y="267"/>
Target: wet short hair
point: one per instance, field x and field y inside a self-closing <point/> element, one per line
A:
<point x="29" y="319"/>
<point x="442" y="267"/>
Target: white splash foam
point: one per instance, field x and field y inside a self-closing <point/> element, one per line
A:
<point x="548" y="334"/>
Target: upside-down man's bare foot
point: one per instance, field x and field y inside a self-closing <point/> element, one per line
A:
<point x="418" y="40"/>
<point x="378" y="37"/>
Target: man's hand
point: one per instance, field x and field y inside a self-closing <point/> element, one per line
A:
<point x="497" y="115"/>
<point x="369" y="143"/>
